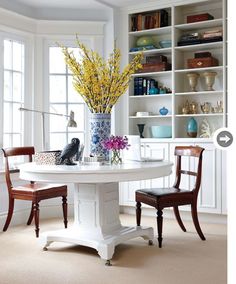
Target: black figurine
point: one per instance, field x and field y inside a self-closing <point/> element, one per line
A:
<point x="69" y="152"/>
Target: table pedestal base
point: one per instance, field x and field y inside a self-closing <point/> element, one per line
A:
<point x="105" y="247"/>
<point x="96" y="221"/>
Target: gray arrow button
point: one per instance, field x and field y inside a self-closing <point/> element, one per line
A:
<point x="224" y="138"/>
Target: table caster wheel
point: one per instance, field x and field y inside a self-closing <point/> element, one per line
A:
<point x="150" y="243"/>
<point x="108" y="263"/>
<point x="45" y="248"/>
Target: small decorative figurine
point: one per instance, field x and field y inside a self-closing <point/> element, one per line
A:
<point x="192" y="128"/>
<point x="193" y="107"/>
<point x="205" y="129"/>
<point x="185" y="108"/>
<point x="206" y="107"/>
<point x="163" y="111"/>
<point x="69" y="151"/>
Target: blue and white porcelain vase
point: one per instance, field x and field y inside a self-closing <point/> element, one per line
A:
<point x="192" y="128"/>
<point x="100" y="129"/>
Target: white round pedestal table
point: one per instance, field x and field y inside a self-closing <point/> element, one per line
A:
<point x="96" y="201"/>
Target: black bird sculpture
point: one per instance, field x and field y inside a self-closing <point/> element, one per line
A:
<point x="69" y="152"/>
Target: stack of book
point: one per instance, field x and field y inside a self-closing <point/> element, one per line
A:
<point x="189" y="39"/>
<point x="212" y="35"/>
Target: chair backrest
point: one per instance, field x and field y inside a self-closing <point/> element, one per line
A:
<point x="15" y="151"/>
<point x="191" y="151"/>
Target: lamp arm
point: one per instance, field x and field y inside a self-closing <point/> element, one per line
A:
<point x="42" y="112"/>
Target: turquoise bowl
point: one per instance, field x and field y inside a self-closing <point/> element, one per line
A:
<point x="161" y="131"/>
<point x="165" y="43"/>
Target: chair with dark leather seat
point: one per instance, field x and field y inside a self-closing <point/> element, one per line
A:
<point x="34" y="192"/>
<point x="161" y="198"/>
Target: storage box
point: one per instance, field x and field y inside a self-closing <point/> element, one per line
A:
<point x="199" y="18"/>
<point x="202" y="62"/>
<point x="47" y="157"/>
<point x="150" y="67"/>
<point x="156" y="59"/>
<point x="202" y="54"/>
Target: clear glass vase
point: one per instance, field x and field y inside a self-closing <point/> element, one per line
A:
<point x="116" y="157"/>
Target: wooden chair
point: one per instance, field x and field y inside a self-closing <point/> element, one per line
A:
<point x="161" y="198"/>
<point x="32" y="191"/>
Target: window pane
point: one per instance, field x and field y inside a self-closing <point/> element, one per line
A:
<point x="7" y="85"/>
<point x="6" y="140"/>
<point x="73" y="95"/>
<point x="16" y="141"/>
<point x="57" y="141"/>
<point x="16" y="118"/>
<point x="79" y="117"/>
<point x="17" y="87"/>
<point x="57" y="89"/>
<point x="7" y="117"/>
<point x="56" y="60"/>
<point x="7" y="54"/>
<point x="17" y="56"/>
<point x="58" y="123"/>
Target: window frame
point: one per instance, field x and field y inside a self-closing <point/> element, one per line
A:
<point x="27" y="40"/>
<point x="70" y="42"/>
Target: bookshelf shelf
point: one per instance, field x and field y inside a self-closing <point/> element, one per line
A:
<point x="155" y="31"/>
<point x="154" y="51"/>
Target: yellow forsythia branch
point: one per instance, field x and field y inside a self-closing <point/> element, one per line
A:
<point x="100" y="82"/>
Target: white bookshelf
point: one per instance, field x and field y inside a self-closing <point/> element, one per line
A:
<point x="176" y="78"/>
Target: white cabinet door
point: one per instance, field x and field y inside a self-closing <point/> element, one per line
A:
<point x="224" y="185"/>
<point x="210" y="192"/>
<point x="127" y="189"/>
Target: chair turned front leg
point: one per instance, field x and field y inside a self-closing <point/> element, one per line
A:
<point x="10" y="213"/>
<point x="138" y="213"/>
<point x="64" y="208"/>
<point x="36" y="218"/>
<point x="195" y="221"/>
<point x="159" y="227"/>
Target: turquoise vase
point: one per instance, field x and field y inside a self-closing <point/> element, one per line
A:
<point x="163" y="111"/>
<point x="100" y="129"/>
<point x="192" y="128"/>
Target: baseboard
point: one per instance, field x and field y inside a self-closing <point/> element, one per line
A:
<point x="185" y="215"/>
<point x="21" y="216"/>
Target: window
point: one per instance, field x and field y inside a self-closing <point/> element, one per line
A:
<point x="62" y="99"/>
<point x="13" y="92"/>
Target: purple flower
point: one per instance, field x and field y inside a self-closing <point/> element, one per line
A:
<point x="116" y="143"/>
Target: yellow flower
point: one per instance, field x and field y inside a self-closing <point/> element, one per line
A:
<point x="100" y="82"/>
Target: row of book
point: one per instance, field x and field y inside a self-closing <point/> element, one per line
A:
<point x="143" y="85"/>
<point x="152" y="20"/>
